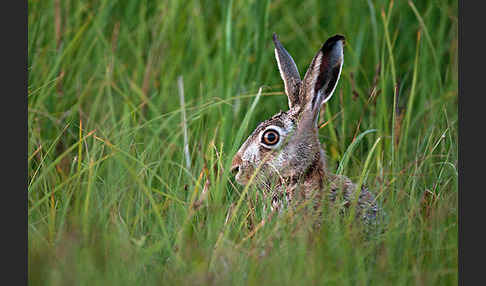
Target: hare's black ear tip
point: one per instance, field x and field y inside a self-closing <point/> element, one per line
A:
<point x="275" y="37"/>
<point x="332" y="40"/>
<point x="336" y="38"/>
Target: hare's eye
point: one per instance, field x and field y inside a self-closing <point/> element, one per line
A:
<point x="270" y="137"/>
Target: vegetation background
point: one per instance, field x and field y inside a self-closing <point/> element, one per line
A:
<point x="112" y="201"/>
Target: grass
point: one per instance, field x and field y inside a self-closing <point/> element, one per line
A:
<point x="112" y="200"/>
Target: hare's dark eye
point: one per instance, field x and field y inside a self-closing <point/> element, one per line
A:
<point x="270" y="137"/>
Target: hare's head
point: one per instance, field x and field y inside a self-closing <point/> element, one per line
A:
<point x="287" y="144"/>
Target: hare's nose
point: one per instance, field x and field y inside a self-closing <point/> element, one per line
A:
<point x="235" y="164"/>
<point x="235" y="170"/>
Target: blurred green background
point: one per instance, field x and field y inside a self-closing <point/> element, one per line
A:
<point x="112" y="201"/>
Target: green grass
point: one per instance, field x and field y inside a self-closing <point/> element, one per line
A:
<point x="111" y="200"/>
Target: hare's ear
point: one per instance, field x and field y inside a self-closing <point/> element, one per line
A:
<point x="288" y="72"/>
<point x="323" y="74"/>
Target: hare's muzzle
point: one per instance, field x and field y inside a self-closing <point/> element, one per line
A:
<point x="235" y="170"/>
<point x="235" y="164"/>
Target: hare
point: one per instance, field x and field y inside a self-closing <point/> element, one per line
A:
<point x="284" y="151"/>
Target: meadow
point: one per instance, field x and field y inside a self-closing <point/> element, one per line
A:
<point x="114" y="198"/>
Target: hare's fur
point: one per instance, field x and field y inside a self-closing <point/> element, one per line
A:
<point x="295" y="169"/>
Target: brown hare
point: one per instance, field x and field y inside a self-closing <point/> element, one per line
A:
<point x="284" y="151"/>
